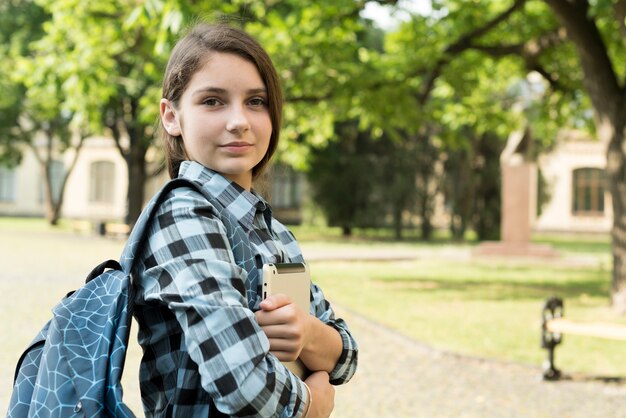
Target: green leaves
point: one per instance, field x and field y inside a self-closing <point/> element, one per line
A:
<point x="92" y="56"/>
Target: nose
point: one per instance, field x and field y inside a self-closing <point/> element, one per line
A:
<point x="237" y="122"/>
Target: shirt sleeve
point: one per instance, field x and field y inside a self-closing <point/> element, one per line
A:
<point x="347" y="363"/>
<point x="192" y="272"/>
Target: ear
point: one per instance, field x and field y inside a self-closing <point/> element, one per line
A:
<point x="169" y="117"/>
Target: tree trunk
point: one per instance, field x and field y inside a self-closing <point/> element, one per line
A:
<point x="135" y="159"/>
<point x="50" y="210"/>
<point x="57" y="205"/>
<point x="616" y="172"/>
<point x="425" y="215"/>
<point x="607" y="96"/>
<point x="50" y="207"/>
<point x="397" y="220"/>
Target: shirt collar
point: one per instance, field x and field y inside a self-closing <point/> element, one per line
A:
<point x="241" y="203"/>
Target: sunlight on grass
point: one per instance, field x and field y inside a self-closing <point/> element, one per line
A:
<point x="479" y="308"/>
<point x="33" y="225"/>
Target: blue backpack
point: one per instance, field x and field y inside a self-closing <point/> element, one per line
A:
<point x="74" y="365"/>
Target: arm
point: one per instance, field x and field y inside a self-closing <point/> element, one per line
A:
<point x="324" y="394"/>
<point x="293" y="334"/>
<point x="191" y="272"/>
<point x="322" y="342"/>
<point x="345" y="365"/>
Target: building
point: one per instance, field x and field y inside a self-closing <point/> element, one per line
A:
<point x="96" y="188"/>
<point x="578" y="199"/>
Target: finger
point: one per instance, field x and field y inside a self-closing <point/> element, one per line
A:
<point x="282" y="331"/>
<point x="269" y="318"/>
<point x="275" y="301"/>
<point x="284" y="315"/>
<point x="285" y="356"/>
<point x="279" y="344"/>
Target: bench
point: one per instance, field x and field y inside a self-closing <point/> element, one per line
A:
<point x="102" y="228"/>
<point x="118" y="229"/>
<point x="553" y="325"/>
<point x="81" y="225"/>
<point x="113" y="229"/>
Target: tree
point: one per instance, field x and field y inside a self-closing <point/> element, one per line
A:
<point x="112" y="54"/>
<point x="32" y="114"/>
<point x="363" y="181"/>
<point x="598" y="34"/>
<point x="105" y="55"/>
<point x="453" y="106"/>
<point x="577" y="46"/>
<point x="345" y="177"/>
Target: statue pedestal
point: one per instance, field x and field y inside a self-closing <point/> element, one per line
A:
<point x="519" y="206"/>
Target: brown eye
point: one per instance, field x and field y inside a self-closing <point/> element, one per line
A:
<point x="211" y="101"/>
<point x="257" y="102"/>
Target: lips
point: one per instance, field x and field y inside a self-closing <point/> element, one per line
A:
<point x="237" y="146"/>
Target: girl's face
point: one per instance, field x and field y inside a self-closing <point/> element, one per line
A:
<point x="223" y="117"/>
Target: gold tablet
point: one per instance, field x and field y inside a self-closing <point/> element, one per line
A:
<point x="293" y="280"/>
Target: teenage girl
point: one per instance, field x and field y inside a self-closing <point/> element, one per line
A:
<point x="211" y="346"/>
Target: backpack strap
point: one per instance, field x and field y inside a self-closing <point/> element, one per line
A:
<point x="100" y="268"/>
<point x="237" y="236"/>
<point x="140" y="229"/>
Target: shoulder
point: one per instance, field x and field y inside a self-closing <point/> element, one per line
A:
<point x="185" y="212"/>
<point x="185" y="224"/>
<point x="283" y="233"/>
<point x="184" y="200"/>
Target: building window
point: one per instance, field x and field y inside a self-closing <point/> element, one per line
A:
<point x="588" y="194"/>
<point x="7" y="184"/>
<point x="286" y="188"/>
<point x="102" y="182"/>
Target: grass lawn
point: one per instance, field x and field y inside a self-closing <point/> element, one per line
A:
<point x="488" y="308"/>
<point x="479" y="308"/>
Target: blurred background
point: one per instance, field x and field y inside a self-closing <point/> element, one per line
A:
<point x="447" y="165"/>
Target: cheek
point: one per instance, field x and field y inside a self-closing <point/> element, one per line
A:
<point x="267" y="127"/>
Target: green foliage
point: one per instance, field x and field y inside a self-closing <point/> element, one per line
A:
<point x="345" y="179"/>
<point x="472" y="186"/>
<point x="99" y="64"/>
<point x="20" y="23"/>
<point x="361" y="181"/>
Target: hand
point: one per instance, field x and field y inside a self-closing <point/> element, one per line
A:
<point x="285" y="325"/>
<point x="323" y="394"/>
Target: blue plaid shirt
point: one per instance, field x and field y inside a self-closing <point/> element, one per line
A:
<point x="200" y="338"/>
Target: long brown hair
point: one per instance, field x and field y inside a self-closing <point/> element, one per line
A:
<point x="190" y="54"/>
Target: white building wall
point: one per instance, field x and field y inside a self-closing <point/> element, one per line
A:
<point x="77" y="192"/>
<point x="557" y="168"/>
<point x="28" y="183"/>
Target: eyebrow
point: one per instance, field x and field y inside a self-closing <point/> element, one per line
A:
<point x="219" y="90"/>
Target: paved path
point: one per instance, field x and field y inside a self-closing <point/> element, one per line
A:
<point x="401" y="378"/>
<point x="397" y="377"/>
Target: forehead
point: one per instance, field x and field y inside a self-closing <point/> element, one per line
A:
<point x="226" y="70"/>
